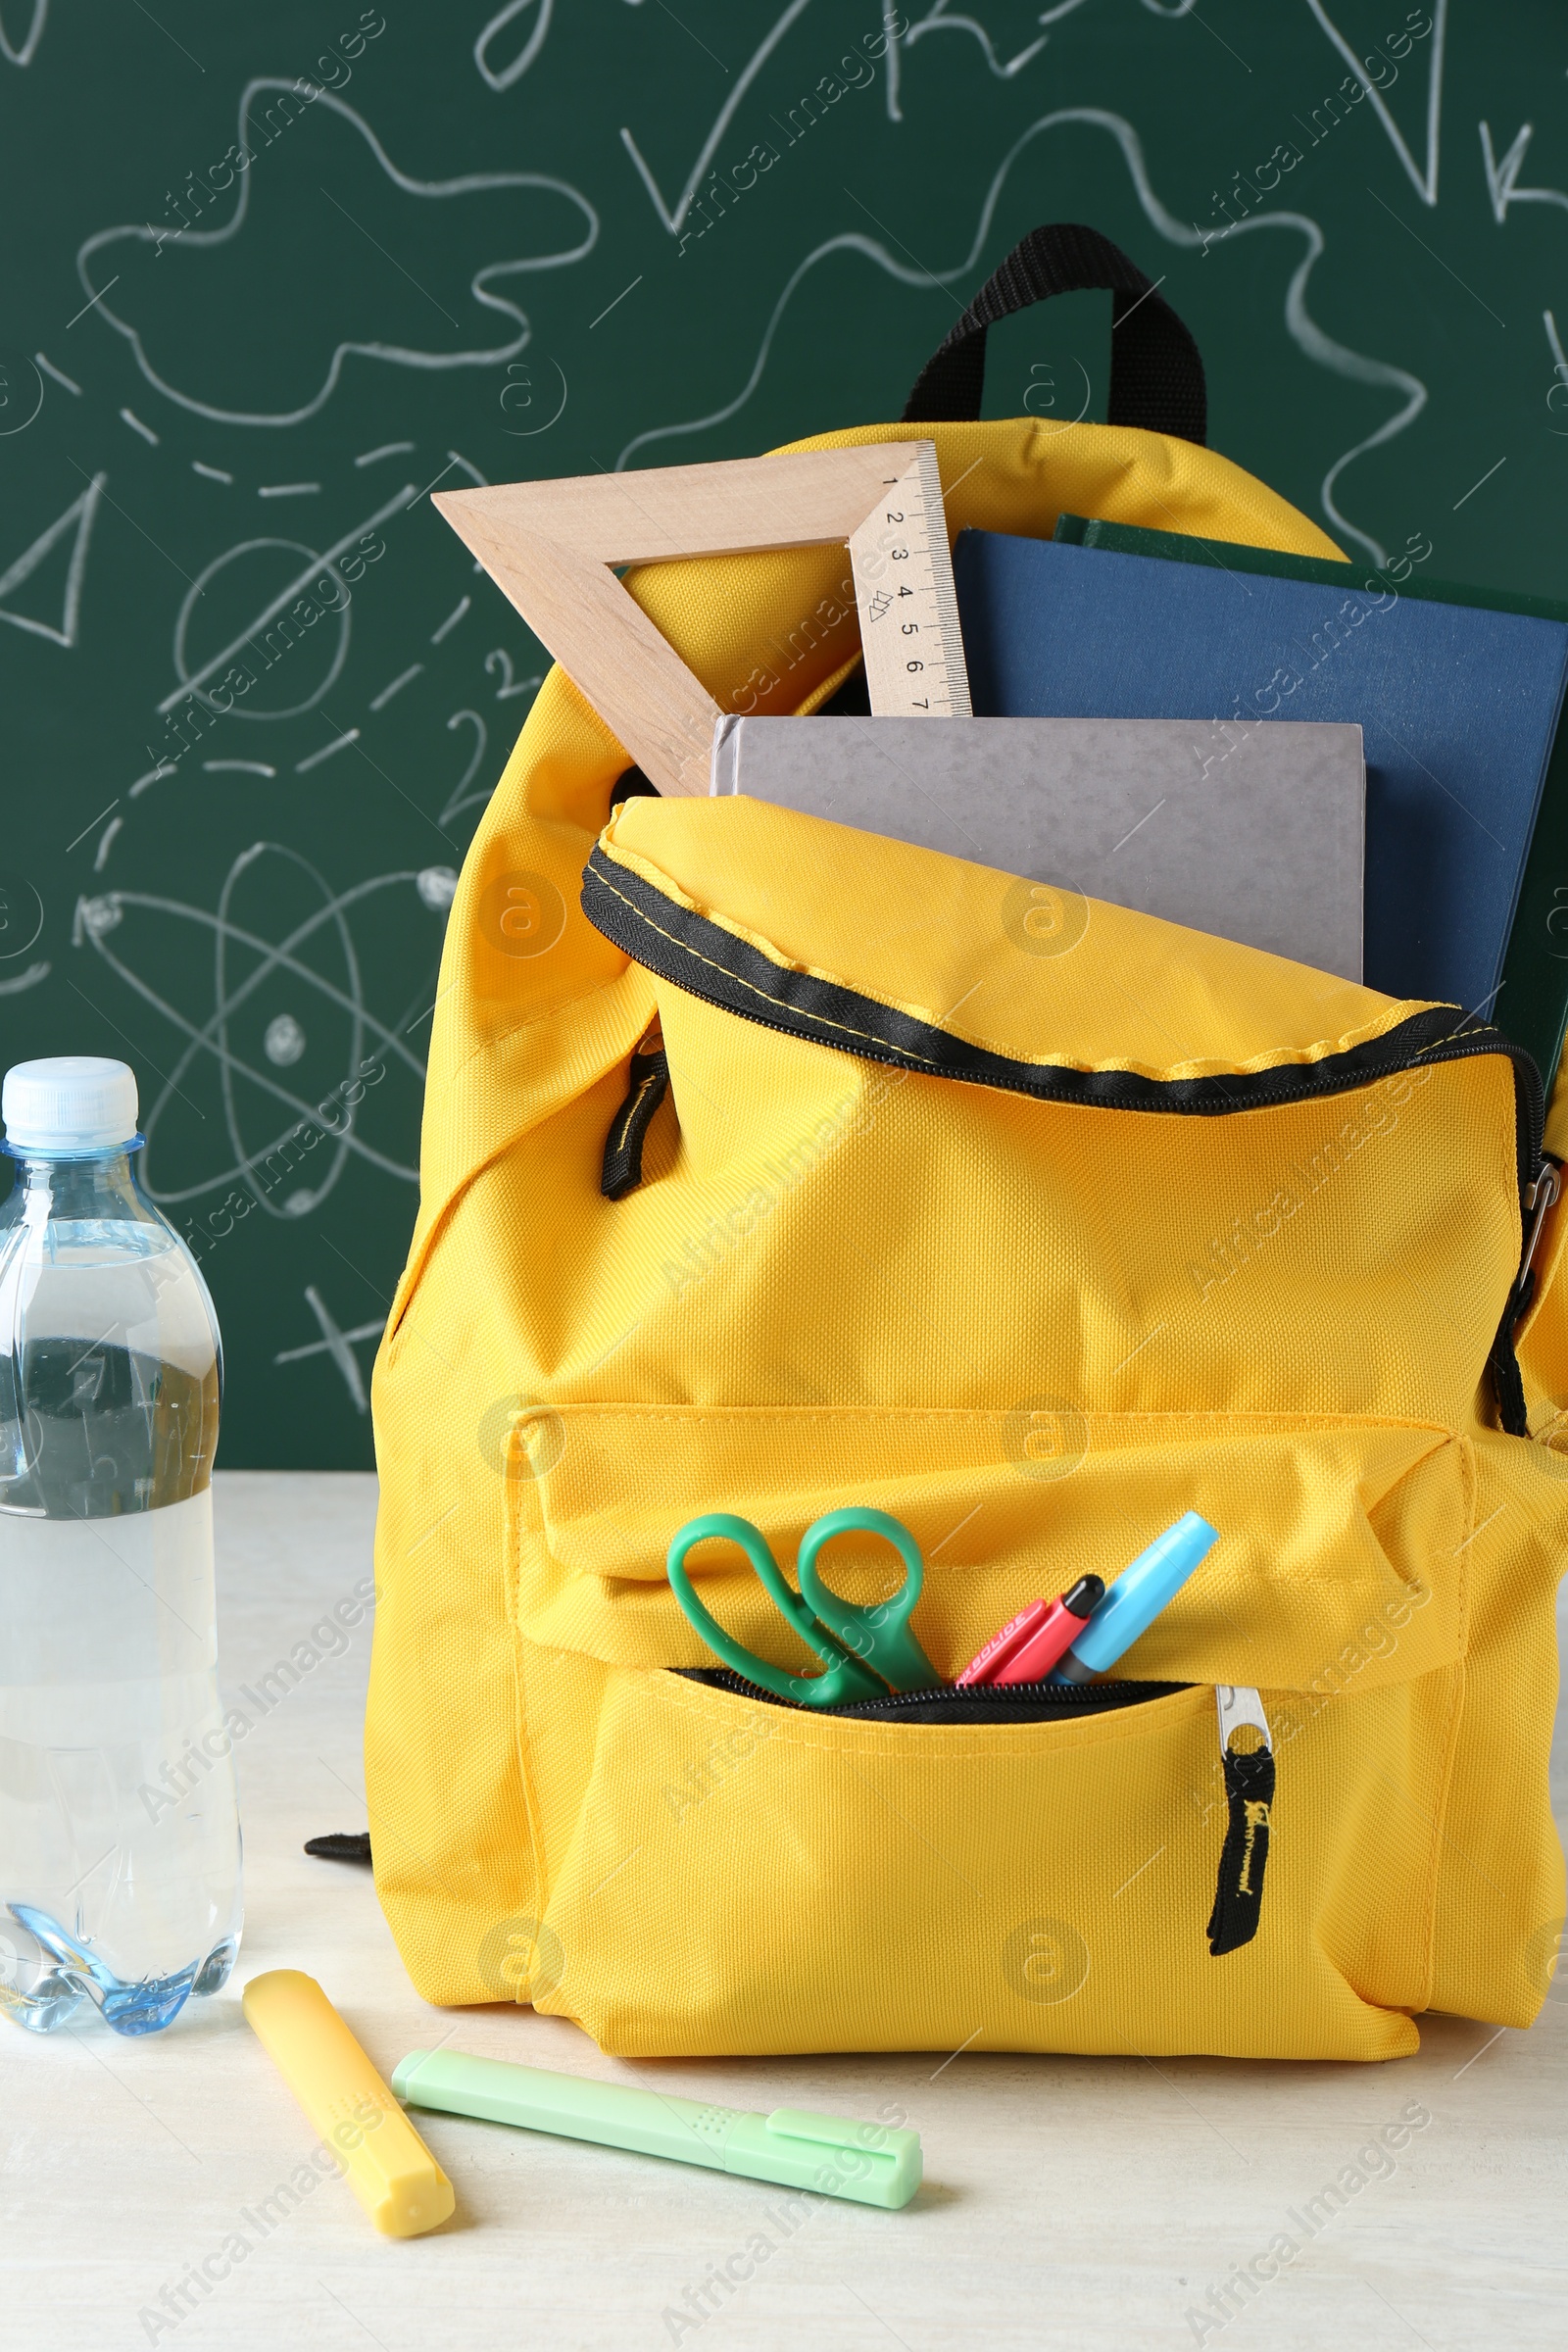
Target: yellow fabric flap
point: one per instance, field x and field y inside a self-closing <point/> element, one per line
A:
<point x="1335" y="1531"/>
<point x="943" y="941"/>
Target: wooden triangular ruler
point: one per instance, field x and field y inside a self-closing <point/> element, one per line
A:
<point x="550" y="548"/>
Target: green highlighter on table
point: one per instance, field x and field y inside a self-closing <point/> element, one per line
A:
<point x="866" y="1651"/>
<point x="870" y="2164"/>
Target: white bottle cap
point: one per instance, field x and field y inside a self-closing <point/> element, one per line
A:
<point x="78" y="1103"/>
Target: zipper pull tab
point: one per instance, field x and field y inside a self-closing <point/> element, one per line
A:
<point x="647" y="1084"/>
<point x="1539" y="1198"/>
<point x="1250" y="1794"/>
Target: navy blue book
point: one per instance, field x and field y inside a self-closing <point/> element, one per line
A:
<point x="1458" y="708"/>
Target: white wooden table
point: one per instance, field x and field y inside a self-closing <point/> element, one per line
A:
<point x="1067" y="2201"/>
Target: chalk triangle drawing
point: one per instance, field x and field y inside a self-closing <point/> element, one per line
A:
<point x="23" y="54"/>
<point x="1424" y="181"/>
<point x="80" y="512"/>
<point x="552" y="546"/>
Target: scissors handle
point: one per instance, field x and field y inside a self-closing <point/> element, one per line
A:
<point x="879" y="1633"/>
<point x="843" y="1677"/>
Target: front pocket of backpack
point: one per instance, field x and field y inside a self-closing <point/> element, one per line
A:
<point x="730" y="1875"/>
<point x="752" y="1878"/>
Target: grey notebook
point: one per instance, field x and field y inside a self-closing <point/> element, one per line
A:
<point x="1255" y="835"/>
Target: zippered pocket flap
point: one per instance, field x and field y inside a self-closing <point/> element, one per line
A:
<point x="805" y="923"/>
<point x="1340" y="1562"/>
<point x="789" y="964"/>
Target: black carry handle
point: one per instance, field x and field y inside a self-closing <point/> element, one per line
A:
<point x="1157" y="376"/>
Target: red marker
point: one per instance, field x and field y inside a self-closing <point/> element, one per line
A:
<point x="1030" y="1643"/>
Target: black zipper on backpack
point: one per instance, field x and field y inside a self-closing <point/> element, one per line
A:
<point x="677" y="943"/>
<point x="955" y="1703"/>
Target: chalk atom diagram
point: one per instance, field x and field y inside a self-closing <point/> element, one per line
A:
<point x="274" y="1082"/>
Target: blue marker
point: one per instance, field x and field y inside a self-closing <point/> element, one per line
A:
<point x="1136" y="1599"/>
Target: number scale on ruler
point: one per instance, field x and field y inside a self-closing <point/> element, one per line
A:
<point x="914" y="647"/>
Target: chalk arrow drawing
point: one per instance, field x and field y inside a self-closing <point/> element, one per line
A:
<point x="79" y="513"/>
<point x="483" y="285"/>
<point x="722" y="121"/>
<point x="1424" y="182"/>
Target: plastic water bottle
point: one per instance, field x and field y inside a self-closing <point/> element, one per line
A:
<point x="120" y="1858"/>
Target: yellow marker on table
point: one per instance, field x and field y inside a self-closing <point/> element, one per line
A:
<point x="388" y="2166"/>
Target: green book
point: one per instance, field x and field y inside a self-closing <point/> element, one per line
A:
<point x="1532" y="1003"/>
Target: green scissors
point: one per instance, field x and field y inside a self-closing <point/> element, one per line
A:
<point x="864" y="1650"/>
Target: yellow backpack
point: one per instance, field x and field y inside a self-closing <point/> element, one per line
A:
<point x="1035" y="1222"/>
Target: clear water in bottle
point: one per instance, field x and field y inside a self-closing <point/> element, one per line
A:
<point x="119" y="1854"/>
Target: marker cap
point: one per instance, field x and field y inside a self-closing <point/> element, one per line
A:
<point x="1142" y="1591"/>
<point x="1061" y="1625"/>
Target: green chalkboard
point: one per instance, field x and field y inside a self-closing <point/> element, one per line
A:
<point x="270" y="275"/>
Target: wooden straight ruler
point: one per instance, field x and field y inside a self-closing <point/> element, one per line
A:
<point x="903" y="567"/>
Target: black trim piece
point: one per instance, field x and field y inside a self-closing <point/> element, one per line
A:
<point x="340" y="1845"/>
<point x="647" y="1084"/>
<point x="698" y="955"/>
<point x="950" y="1703"/>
